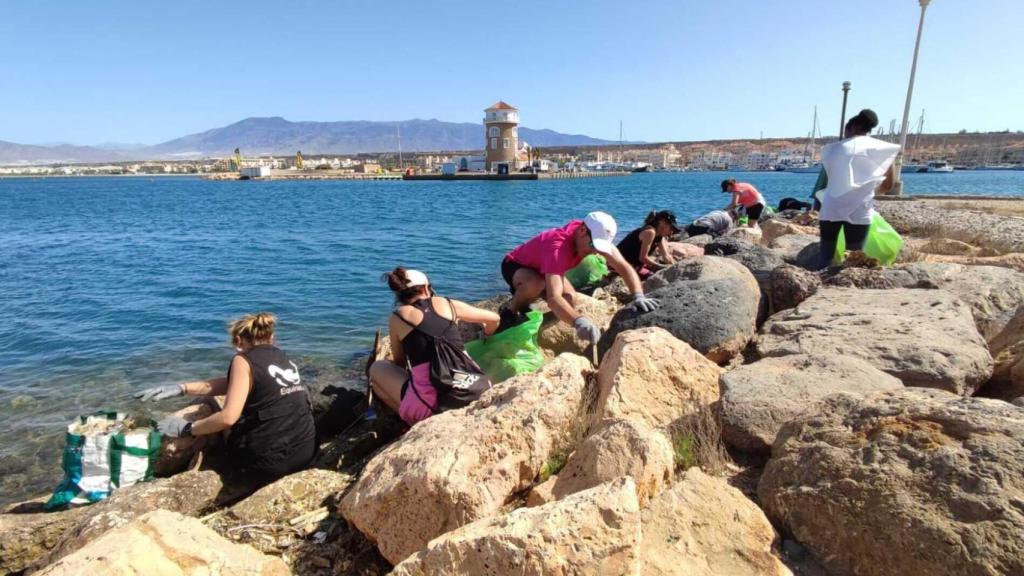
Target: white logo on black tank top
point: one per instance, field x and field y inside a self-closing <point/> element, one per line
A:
<point x="288" y="379"/>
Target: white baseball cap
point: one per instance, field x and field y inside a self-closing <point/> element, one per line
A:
<point x="602" y="230"/>
<point x="416" y="278"/>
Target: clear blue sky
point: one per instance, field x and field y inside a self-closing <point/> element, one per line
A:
<point x="101" y="71"/>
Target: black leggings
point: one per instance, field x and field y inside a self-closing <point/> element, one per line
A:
<point x="854" y="234"/>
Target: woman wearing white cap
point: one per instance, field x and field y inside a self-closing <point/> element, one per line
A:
<point x="429" y="370"/>
<point x="537" y="268"/>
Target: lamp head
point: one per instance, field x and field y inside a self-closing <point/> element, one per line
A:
<point x="846" y="85"/>
<point x="924" y="3"/>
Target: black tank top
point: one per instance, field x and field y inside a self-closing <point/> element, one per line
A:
<point x="631" y="244"/>
<point x="419" y="344"/>
<point x="277" y="414"/>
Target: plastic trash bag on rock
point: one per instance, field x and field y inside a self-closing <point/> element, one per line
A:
<point x="510" y="352"/>
<point x="103" y="452"/>
<point x="588" y="273"/>
<point x="883" y="242"/>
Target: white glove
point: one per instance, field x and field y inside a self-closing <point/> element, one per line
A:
<point x="175" y="426"/>
<point x="160" y="393"/>
<point x="585" y="330"/>
<point x="644" y="304"/>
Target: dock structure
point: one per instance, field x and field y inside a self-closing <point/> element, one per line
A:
<point x="458" y="176"/>
<point x="305" y="175"/>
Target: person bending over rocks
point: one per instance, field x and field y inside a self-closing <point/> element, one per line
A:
<point x="429" y="370"/>
<point x="745" y="197"/>
<point x="266" y="406"/>
<point x="639" y="245"/>
<point x="854" y="168"/>
<point x="536" y="269"/>
<point x="715" y="223"/>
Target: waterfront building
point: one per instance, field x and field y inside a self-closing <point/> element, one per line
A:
<point x="501" y="129"/>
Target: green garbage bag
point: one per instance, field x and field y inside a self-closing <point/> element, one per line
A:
<point x="510" y="352"/>
<point x="883" y="242"/>
<point x="589" y="272"/>
<point x="103" y="452"/>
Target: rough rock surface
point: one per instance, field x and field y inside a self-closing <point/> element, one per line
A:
<point x="994" y="294"/>
<point x="774" y="228"/>
<point x="950" y="247"/>
<point x="29" y="533"/>
<point x="619" y="448"/>
<point x="189" y="493"/>
<point x="791" y="285"/>
<point x="716" y="317"/>
<point x="758" y="259"/>
<point x="652" y="377"/>
<point x="683" y="250"/>
<point x="1008" y="354"/>
<point x="923" y="337"/>
<point x="461" y="466"/>
<point x="558" y="337"/>
<point x="594" y="532"/>
<point x="541" y="493"/>
<point x="746" y="233"/>
<point x="700" y="240"/>
<point x="906" y="482"/>
<point x="925" y="219"/>
<point x="809" y="256"/>
<point x="705" y="268"/>
<point x="791" y="245"/>
<point x="163" y="543"/>
<point x="290" y="496"/>
<point x="758" y="398"/>
<point x="704" y="527"/>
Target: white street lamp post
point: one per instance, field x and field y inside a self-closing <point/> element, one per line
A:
<point x="897" y="185"/>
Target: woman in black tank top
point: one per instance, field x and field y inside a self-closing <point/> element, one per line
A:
<point x="639" y="245"/>
<point x="429" y="369"/>
<point x="266" y="407"/>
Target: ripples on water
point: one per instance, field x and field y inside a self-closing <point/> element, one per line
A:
<point x="110" y="285"/>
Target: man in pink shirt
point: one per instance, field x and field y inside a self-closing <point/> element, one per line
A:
<point x="746" y="196"/>
<point x="537" y="269"/>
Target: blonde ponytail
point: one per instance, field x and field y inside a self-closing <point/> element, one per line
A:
<point x="253" y="329"/>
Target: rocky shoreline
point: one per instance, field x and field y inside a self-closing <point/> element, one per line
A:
<point x="767" y="420"/>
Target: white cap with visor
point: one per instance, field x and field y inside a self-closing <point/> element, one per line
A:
<point x="602" y="230"/>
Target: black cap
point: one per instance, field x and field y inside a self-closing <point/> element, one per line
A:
<point x="669" y="217"/>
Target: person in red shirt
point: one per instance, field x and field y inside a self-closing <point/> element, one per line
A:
<point x="746" y="196"/>
<point x="537" y="269"/>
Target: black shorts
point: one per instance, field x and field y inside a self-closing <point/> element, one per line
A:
<point x="754" y="212"/>
<point x="695" y="230"/>
<point x="508" y="272"/>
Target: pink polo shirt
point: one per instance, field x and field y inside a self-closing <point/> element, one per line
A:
<point x="749" y="196"/>
<point x="550" y="252"/>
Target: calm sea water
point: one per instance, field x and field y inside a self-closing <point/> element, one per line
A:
<point x="110" y="285"/>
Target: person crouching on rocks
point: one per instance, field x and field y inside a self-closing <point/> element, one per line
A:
<point x="715" y="223"/>
<point x="266" y="406"/>
<point x="429" y="370"/>
<point x="639" y="245"/>
<point x="855" y="168"/>
<point x="744" y="196"/>
<point x="537" y="269"/>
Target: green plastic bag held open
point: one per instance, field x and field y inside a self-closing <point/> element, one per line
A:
<point x="510" y="352"/>
<point x="883" y="242"/>
<point x="589" y="272"/>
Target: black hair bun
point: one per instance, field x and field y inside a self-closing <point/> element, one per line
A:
<point x="867" y="118"/>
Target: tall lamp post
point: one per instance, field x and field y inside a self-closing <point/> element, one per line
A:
<point x="897" y="183"/>
<point x="842" y="117"/>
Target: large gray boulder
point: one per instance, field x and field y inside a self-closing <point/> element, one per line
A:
<point x="790" y="246"/>
<point x="758" y="398"/>
<point x="715" y="317"/>
<point x="912" y="481"/>
<point x="925" y="338"/>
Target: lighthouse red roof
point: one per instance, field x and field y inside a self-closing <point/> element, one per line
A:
<point x="501" y="105"/>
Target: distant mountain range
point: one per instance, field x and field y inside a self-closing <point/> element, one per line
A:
<point x="276" y="135"/>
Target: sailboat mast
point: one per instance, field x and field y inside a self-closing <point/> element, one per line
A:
<point x="398" y="131"/>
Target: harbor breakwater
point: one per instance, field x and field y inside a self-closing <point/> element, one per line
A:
<point x="863" y="376"/>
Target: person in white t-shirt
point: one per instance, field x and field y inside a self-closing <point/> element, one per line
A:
<point x="855" y="168"/>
